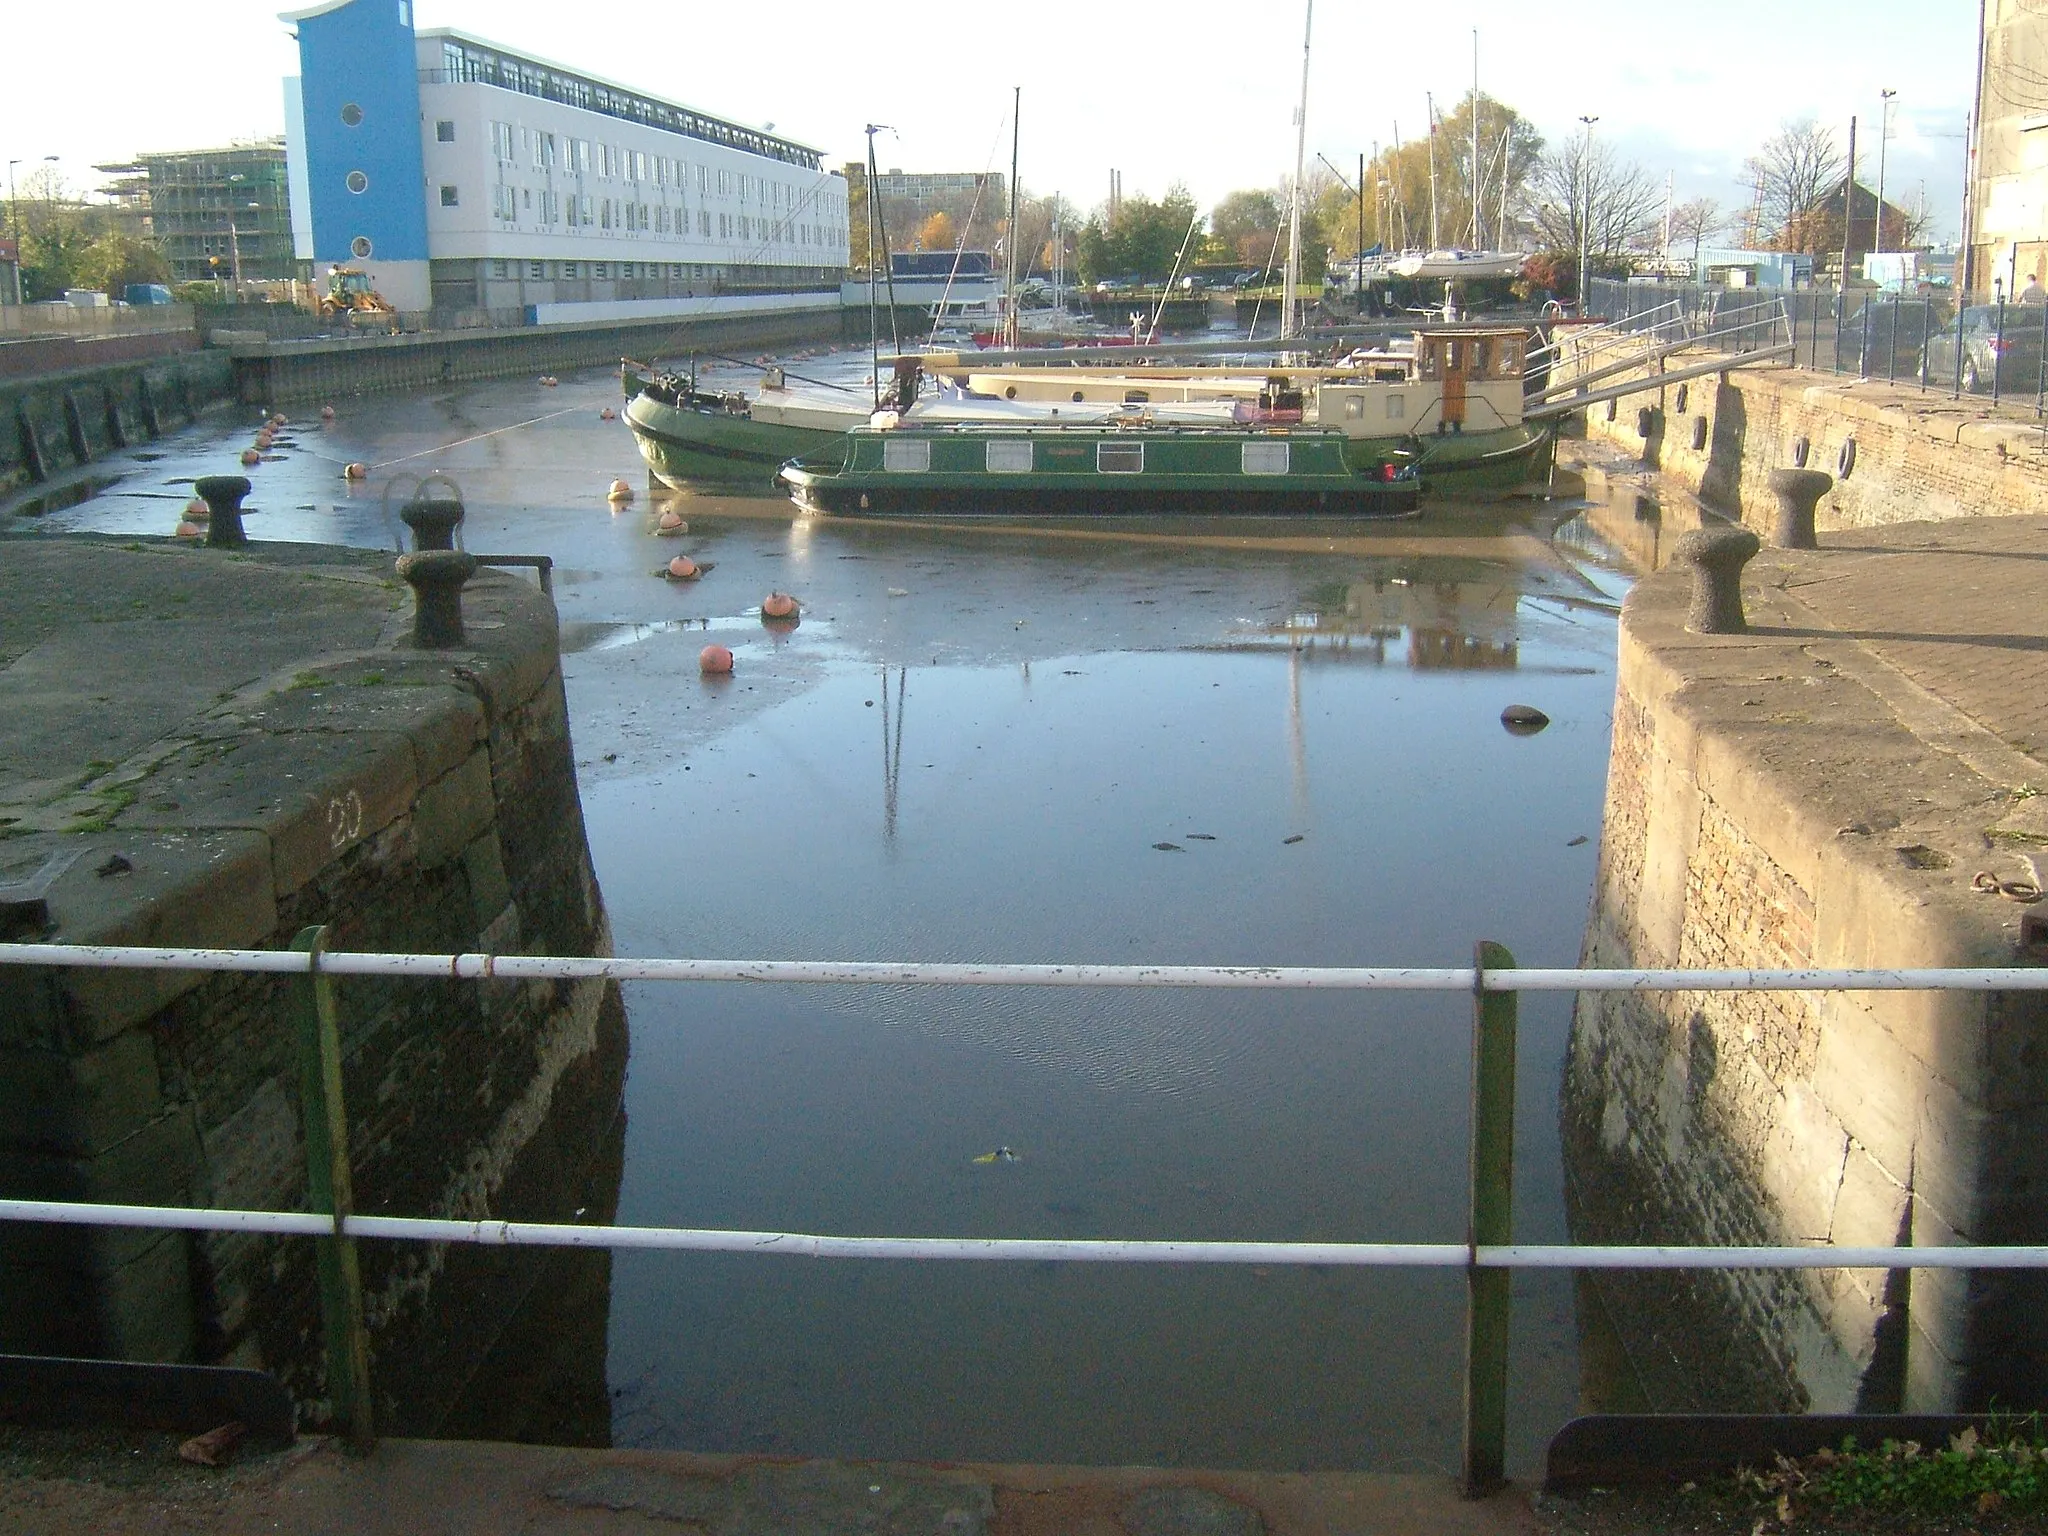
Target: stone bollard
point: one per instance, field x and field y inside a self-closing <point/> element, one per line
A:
<point x="1717" y="556"/>
<point x="223" y="496"/>
<point x="432" y="520"/>
<point x="1798" y="491"/>
<point x="436" y="577"/>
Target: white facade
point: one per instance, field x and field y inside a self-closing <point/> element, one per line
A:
<point x="533" y="200"/>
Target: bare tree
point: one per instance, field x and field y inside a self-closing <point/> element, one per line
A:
<point x="1797" y="166"/>
<point x="1696" y="221"/>
<point x="1591" y="203"/>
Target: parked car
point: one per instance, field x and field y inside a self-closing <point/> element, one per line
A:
<point x="1996" y="342"/>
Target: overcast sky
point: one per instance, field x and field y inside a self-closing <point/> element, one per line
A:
<point x="1199" y="92"/>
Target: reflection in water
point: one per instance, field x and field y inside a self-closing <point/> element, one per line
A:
<point x="892" y="750"/>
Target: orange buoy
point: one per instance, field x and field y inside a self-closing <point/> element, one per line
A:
<point x="251" y="456"/>
<point x="607" y="414"/>
<point x="778" y="605"/>
<point x="620" y="491"/>
<point x="327" y="413"/>
<point x="197" y="511"/>
<point x="714" y="661"/>
<point x="278" y="419"/>
<point x="189" y="529"/>
<point x="671" y="522"/>
<point x="683" y="568"/>
<point x="356" y="472"/>
<point x="547" y="381"/>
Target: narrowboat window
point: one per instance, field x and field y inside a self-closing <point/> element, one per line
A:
<point x="1397" y="407"/>
<point x="906" y="456"/>
<point x="1120" y="458"/>
<point x="1009" y="458"/>
<point x="1354" y="407"/>
<point x="1137" y="396"/>
<point x="1264" y="458"/>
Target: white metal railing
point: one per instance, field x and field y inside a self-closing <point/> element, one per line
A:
<point x="1487" y="1256"/>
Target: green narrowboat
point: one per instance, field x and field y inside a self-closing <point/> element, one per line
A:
<point x="688" y="435"/>
<point x="1097" y="470"/>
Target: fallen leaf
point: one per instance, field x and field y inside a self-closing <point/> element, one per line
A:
<point x="216" y="1446"/>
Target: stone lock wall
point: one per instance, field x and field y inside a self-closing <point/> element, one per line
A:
<point x="1914" y="456"/>
<point x="421" y="801"/>
<point x="62" y="421"/>
<point x="1765" y="809"/>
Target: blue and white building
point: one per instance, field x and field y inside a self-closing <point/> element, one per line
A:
<point x="461" y="174"/>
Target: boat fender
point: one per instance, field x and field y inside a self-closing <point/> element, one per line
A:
<point x="187" y="529"/>
<point x="1845" y="461"/>
<point x="715" y="661"/>
<point x="885" y="421"/>
<point x="1801" y="449"/>
<point x="607" y="414"/>
<point x="778" y="605"/>
<point x="1699" y="434"/>
<point x="251" y="456"/>
<point x="620" y="491"/>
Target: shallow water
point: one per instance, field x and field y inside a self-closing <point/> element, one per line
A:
<point x="970" y="749"/>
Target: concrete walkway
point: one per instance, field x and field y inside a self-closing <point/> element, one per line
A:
<point x="468" y="1488"/>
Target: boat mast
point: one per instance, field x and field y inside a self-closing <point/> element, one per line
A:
<point x="878" y="221"/>
<point x="1475" y="140"/>
<point x="1291" y="300"/>
<point x="1016" y="107"/>
<point x="874" y="317"/>
<point x="1435" y="243"/>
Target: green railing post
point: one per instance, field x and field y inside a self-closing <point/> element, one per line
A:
<point x="329" y="1191"/>
<point x="1492" y="1222"/>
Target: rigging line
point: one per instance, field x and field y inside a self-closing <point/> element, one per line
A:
<point x="479" y="437"/>
<point x="1152" y="333"/>
<point x="960" y="245"/>
<point x="1252" y="330"/>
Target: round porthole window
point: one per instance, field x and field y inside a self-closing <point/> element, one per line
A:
<point x="351" y="115"/>
<point x="357" y="182"/>
<point x="360" y="247"/>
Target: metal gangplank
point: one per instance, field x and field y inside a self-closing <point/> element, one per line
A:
<point x="1636" y="350"/>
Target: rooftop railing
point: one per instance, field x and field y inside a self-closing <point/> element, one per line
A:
<point x="1489" y="1255"/>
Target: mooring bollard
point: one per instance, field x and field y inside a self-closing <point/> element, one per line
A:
<point x="330" y="1191"/>
<point x="1717" y="556"/>
<point x="433" y="520"/>
<point x="223" y="496"/>
<point x="1799" y="492"/>
<point x="436" y="577"/>
<point x="1491" y="1225"/>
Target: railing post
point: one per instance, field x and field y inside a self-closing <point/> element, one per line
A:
<point x="329" y="1191"/>
<point x="1492" y="1222"/>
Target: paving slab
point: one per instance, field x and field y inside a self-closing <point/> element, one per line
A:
<point x="470" y="1488"/>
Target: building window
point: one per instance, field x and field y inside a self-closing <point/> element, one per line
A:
<point x="601" y="269"/>
<point x="568" y="269"/>
<point x="444" y="130"/>
<point x="351" y="115"/>
<point x="360" y="247"/>
<point x="497" y="269"/>
<point x="675" y="269"/>
<point x="448" y="197"/>
<point x="357" y="182"/>
<point x="536" y="270"/>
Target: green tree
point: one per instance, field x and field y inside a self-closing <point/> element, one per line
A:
<point x="1246" y="225"/>
<point x="1397" y="212"/>
<point x="1141" y="237"/>
<point x="113" y="261"/>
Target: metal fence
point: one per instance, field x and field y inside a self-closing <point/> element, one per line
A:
<point x="59" y="319"/>
<point x="1489" y="1255"/>
<point x="1999" y="352"/>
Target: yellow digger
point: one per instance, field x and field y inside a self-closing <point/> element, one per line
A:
<point x="349" y="293"/>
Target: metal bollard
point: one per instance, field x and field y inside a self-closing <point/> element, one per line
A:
<point x="1717" y="556"/>
<point x="432" y="521"/>
<point x="1798" y="491"/>
<point x="436" y="577"/>
<point x="223" y="496"/>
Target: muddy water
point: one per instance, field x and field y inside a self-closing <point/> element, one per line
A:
<point x="1251" y="742"/>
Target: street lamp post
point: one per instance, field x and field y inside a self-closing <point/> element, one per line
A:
<point x="1884" y="134"/>
<point x="1586" y="213"/>
<point x="14" y="228"/>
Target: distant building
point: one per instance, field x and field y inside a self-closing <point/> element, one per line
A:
<point x="206" y="207"/>
<point x="1816" y="229"/>
<point x="2006" y="241"/>
<point x="463" y="174"/>
<point x="976" y="202"/>
<point x="1734" y="268"/>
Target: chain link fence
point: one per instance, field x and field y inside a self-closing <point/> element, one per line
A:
<point x="1995" y="348"/>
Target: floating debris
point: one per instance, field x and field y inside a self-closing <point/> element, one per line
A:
<point x="1200" y="837"/>
<point x="1294" y="839"/>
<point x="1169" y="847"/>
<point x="1523" y="719"/>
<point x="1000" y="1155"/>
<point x="1575" y="842"/>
